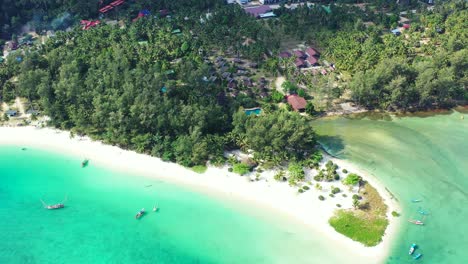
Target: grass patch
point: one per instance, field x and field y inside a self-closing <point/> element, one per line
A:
<point x="366" y="225"/>
<point x="241" y="168"/>
<point x="199" y="169"/>
<point x="359" y="227"/>
<point x="395" y="214"/>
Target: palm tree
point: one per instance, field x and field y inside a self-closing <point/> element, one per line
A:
<point x="355" y="204"/>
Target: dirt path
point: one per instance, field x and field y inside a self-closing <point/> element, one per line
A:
<point x="20" y="106"/>
<point x="278" y="82"/>
<point x="5" y="107"/>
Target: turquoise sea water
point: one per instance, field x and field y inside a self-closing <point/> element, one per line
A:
<point x="98" y="225"/>
<point x="415" y="158"/>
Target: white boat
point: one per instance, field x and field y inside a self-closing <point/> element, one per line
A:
<point x="412" y="249"/>
<point x="140" y="213"/>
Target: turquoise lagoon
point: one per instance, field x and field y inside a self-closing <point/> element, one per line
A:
<point x="415" y="158"/>
<point x="98" y="225"/>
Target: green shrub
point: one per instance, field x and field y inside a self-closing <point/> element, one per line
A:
<point x="344" y="195"/>
<point x="279" y="175"/>
<point x="356" y="197"/>
<point x="395" y="214"/>
<point x="345" y="171"/>
<point x="218" y="161"/>
<point x="337" y="177"/>
<point x="300" y="190"/>
<point x="241" y="168"/>
<point x="331" y="195"/>
<point x="352" y="179"/>
<point x="335" y="190"/>
<point x="230" y="169"/>
<point x="277" y="97"/>
<point x="321" y="198"/>
<point x="296" y="171"/>
<point x="338" y="205"/>
<point x="305" y="187"/>
<point x="199" y="169"/>
<point x="292" y="181"/>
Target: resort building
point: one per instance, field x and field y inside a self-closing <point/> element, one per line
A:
<point x="265" y="2"/>
<point x="300" y="54"/>
<point x="312" y="52"/>
<point x="297" y="103"/>
<point x="300" y="63"/>
<point x="11" y="113"/>
<point x="258" y="11"/>
<point x="285" y="55"/>
<point x="312" y="61"/>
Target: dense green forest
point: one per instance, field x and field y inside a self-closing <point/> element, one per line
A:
<point x="423" y="68"/>
<point x="142" y="86"/>
<point x="59" y="14"/>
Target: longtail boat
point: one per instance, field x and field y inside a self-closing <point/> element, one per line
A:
<point x="54" y="206"/>
<point x="416" y="222"/>
<point x="419" y="255"/>
<point x="416" y="200"/>
<point x="412" y="249"/>
<point x="140" y="213"/>
<point x="423" y="212"/>
<point x="84" y="163"/>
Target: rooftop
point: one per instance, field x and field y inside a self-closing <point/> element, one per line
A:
<point x="257" y="11"/>
<point x="298" y="103"/>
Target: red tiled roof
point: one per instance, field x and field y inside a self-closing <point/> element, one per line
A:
<point x="257" y="11"/>
<point x="299" y="53"/>
<point x="312" y="60"/>
<point x="299" y="63"/>
<point x="297" y="102"/>
<point x="312" y="52"/>
<point x="285" y="54"/>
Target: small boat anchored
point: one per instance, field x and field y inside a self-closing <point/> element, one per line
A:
<point x="84" y="163"/>
<point x="140" y="213"/>
<point x="423" y="212"/>
<point x="412" y="249"/>
<point x="54" y="206"/>
<point x="416" y="222"/>
<point x="155" y="208"/>
<point x="419" y="255"/>
<point x="416" y="200"/>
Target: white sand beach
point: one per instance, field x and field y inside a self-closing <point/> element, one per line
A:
<point x="266" y="192"/>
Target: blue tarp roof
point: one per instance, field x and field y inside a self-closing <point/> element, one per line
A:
<point x="145" y="12"/>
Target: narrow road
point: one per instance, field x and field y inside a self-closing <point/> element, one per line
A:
<point x="278" y="82"/>
<point x="20" y="106"/>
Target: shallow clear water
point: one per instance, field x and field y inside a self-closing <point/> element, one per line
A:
<point x="98" y="225"/>
<point x="415" y="158"/>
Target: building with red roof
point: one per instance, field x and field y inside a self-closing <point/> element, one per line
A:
<point x="300" y="54"/>
<point x="297" y="103"/>
<point x="300" y="63"/>
<point x="257" y="11"/>
<point x="285" y="55"/>
<point x="312" y="52"/>
<point x="312" y="61"/>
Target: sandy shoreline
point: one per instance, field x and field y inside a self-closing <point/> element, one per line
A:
<point x="267" y="193"/>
